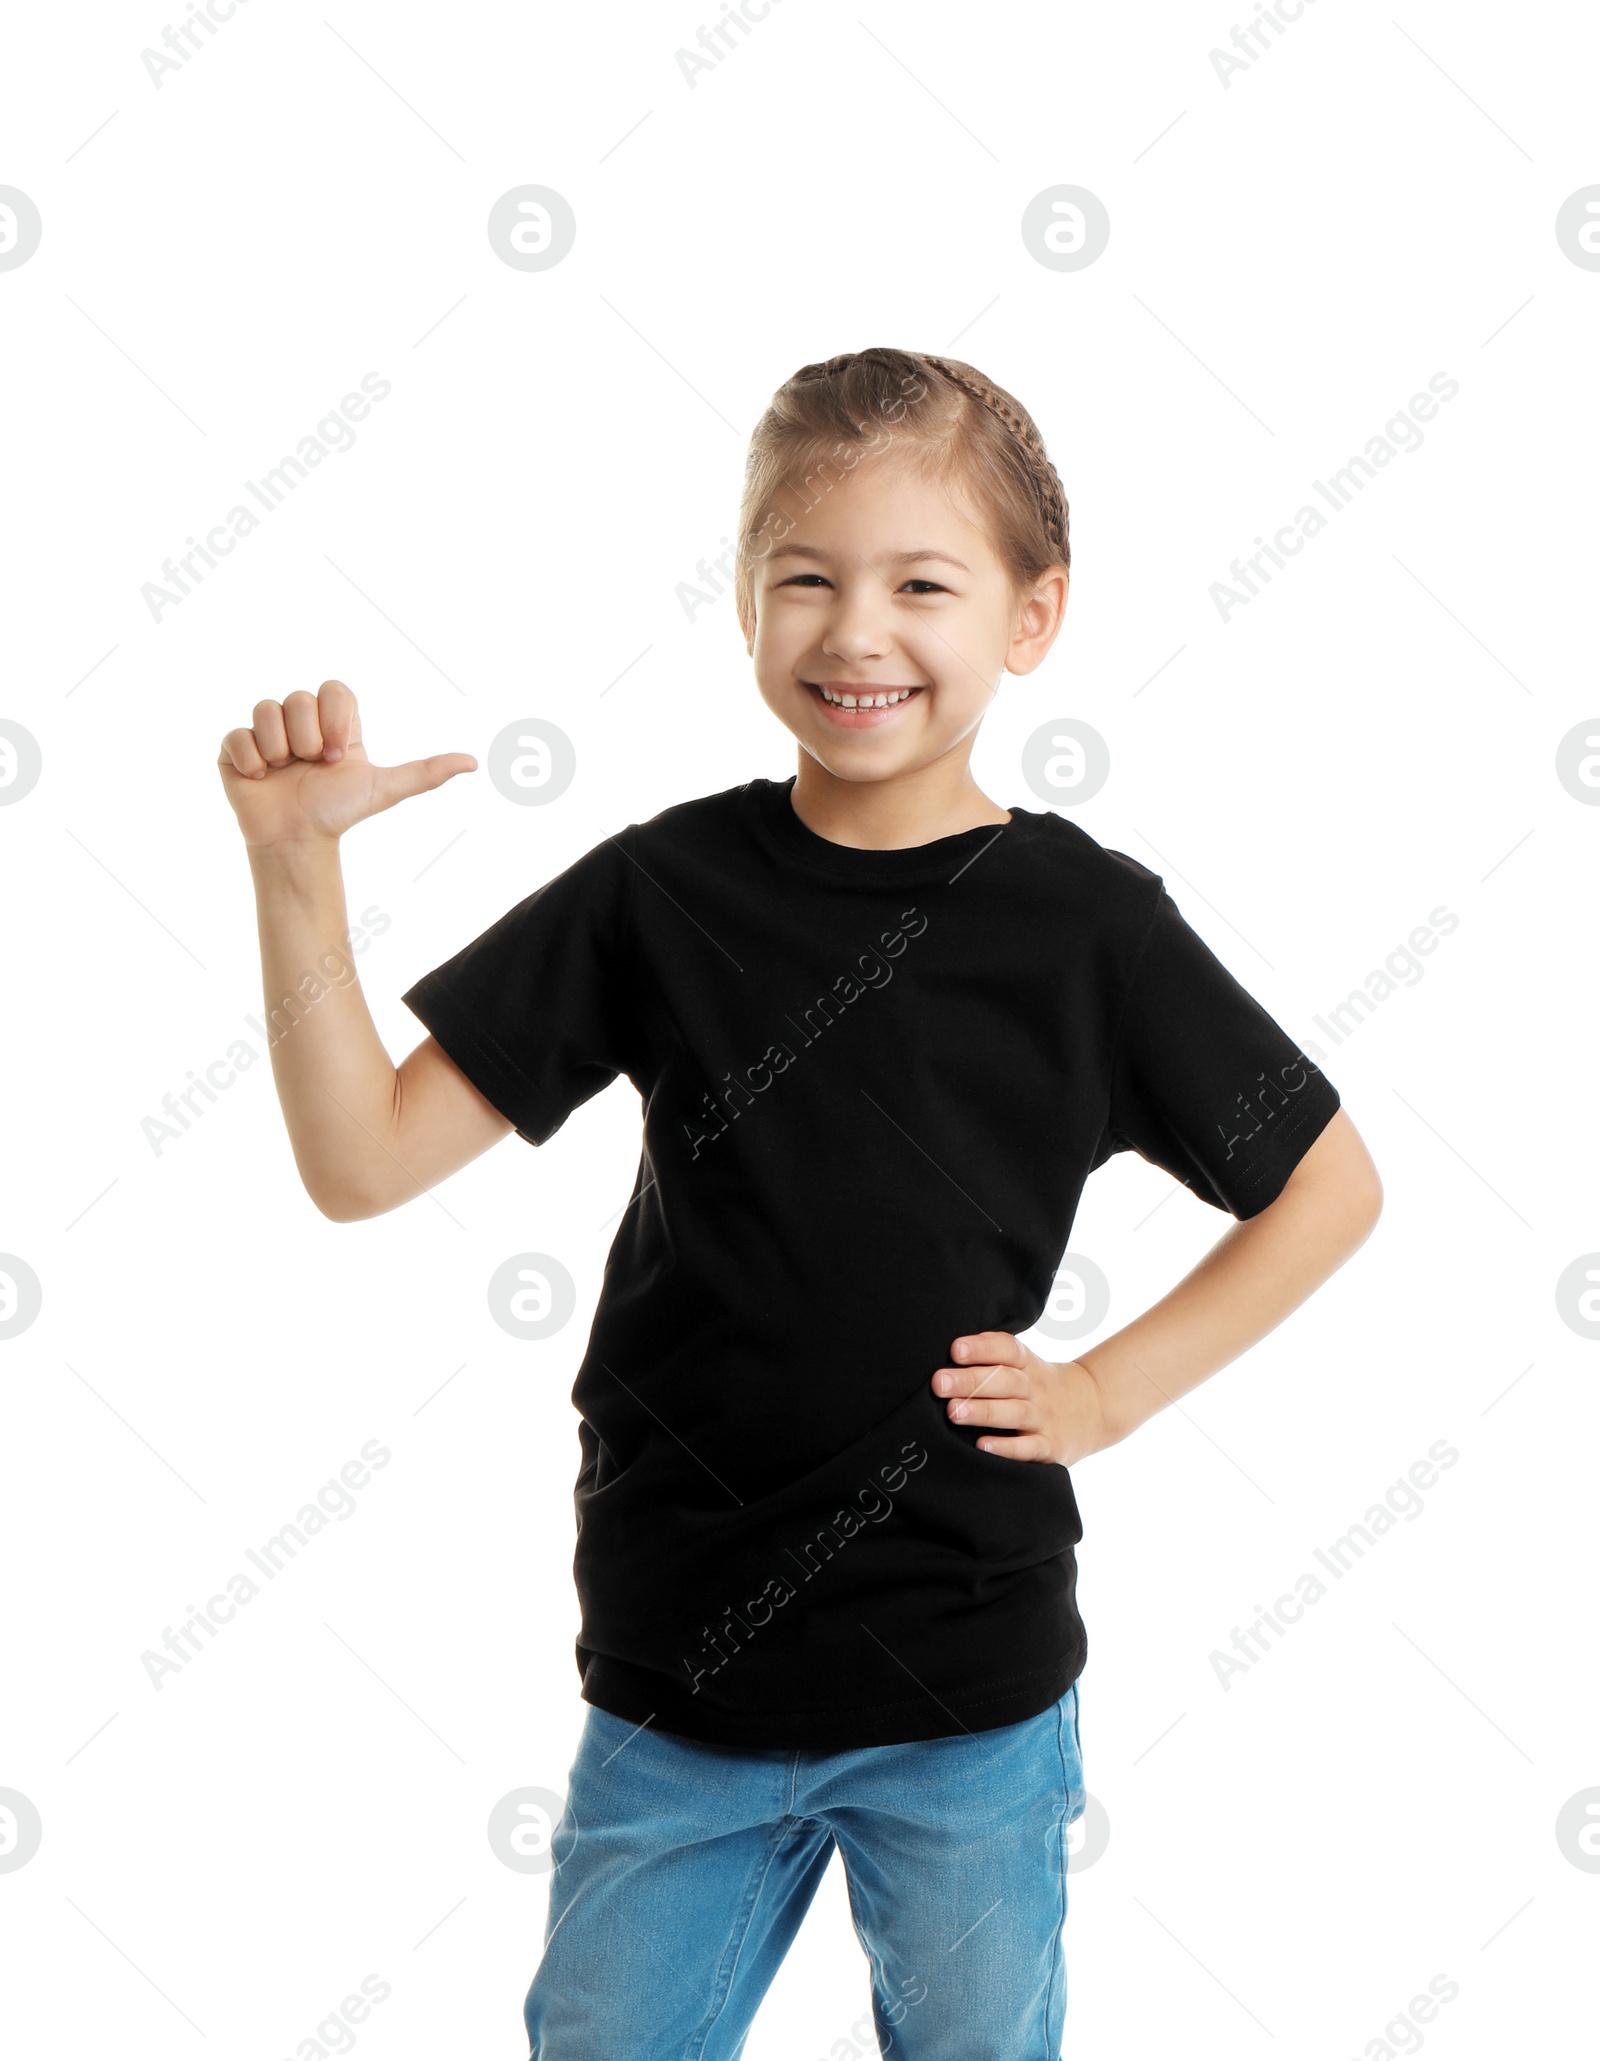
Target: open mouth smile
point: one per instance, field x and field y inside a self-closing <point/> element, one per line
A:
<point x="856" y="705"/>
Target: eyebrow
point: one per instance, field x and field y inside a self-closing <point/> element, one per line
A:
<point x="889" y="558"/>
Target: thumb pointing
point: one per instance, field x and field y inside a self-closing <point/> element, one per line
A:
<point x="419" y="776"/>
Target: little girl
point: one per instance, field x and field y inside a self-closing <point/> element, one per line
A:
<point x="882" y="1030"/>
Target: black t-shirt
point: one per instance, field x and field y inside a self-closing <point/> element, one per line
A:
<point x="873" y="1085"/>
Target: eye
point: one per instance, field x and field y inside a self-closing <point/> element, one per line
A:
<point x="799" y="579"/>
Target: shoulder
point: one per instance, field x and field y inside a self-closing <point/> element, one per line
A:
<point x="1108" y="889"/>
<point x="699" y="825"/>
<point x="684" y="826"/>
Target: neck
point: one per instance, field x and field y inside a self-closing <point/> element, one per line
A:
<point x="911" y="808"/>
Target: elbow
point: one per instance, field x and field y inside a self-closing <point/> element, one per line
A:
<point x="341" y="1208"/>
<point x="1353" y="1205"/>
<point x="1364" y="1188"/>
<point x="344" y="1195"/>
<point x="1366" y="1205"/>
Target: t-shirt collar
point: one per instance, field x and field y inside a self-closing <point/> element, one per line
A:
<point x="771" y="808"/>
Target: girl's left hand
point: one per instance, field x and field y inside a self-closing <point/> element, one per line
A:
<point x="1054" y="1412"/>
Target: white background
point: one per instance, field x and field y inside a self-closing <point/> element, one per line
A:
<point x="1292" y="1858"/>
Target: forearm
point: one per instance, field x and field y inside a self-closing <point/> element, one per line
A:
<point x="1253" y="1277"/>
<point x="335" y="1081"/>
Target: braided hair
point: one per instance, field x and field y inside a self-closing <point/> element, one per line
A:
<point x="1052" y="495"/>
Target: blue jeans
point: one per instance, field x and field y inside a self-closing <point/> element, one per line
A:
<point x="682" y="1872"/>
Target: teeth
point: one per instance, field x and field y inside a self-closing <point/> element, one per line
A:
<point x="885" y="700"/>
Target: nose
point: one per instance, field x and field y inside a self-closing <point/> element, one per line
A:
<point x="859" y="625"/>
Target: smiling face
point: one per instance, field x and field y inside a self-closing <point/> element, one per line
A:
<point x="884" y="620"/>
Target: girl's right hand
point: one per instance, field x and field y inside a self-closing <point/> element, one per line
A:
<point x="299" y="773"/>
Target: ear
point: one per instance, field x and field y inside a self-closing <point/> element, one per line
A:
<point x="1039" y="620"/>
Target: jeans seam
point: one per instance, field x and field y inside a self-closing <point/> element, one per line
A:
<point x="876" y="1975"/>
<point x="1055" y="1946"/>
<point x="739" y="1931"/>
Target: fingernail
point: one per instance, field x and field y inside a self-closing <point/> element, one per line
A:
<point x="961" y="1352"/>
<point x="942" y="1383"/>
<point x="334" y="752"/>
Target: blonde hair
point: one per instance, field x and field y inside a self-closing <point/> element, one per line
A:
<point x="942" y="416"/>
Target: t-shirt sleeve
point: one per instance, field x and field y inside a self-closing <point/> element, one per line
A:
<point x="1204" y="1082"/>
<point x="536" y="1011"/>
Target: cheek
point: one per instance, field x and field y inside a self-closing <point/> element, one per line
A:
<point x="957" y="653"/>
<point x="773" y="668"/>
<point x="768" y="619"/>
